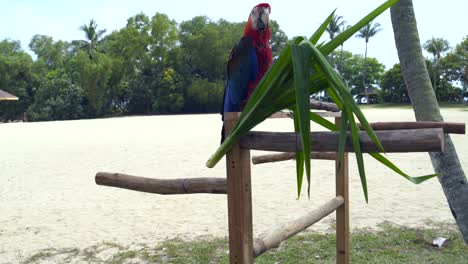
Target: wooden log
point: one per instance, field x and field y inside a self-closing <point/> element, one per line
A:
<point x="151" y="185"/>
<point x="318" y="105"/>
<point x="448" y="127"/>
<point x="274" y="239"/>
<point x="319" y="113"/>
<point x="289" y="156"/>
<point x="282" y="115"/>
<point x="239" y="198"/>
<point x="409" y="140"/>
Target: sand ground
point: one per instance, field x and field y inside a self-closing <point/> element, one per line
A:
<point x="48" y="197"/>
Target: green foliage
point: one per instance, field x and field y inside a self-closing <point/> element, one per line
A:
<point x="336" y="26"/>
<point x="278" y="40"/>
<point x="388" y="243"/>
<point x="94" y="76"/>
<point x="204" y="96"/>
<point x="393" y="89"/>
<point x="57" y="98"/>
<point x="351" y="68"/>
<point x="436" y="46"/>
<point x="163" y="37"/>
<point x="130" y="44"/>
<point x="205" y="46"/>
<point x="53" y="53"/>
<point x="302" y="70"/>
<point x="368" y="31"/>
<point x="153" y="65"/>
<point x="93" y="37"/>
<point x="141" y="97"/>
<point x="454" y="68"/>
<point x="15" y="78"/>
<point x="169" y="94"/>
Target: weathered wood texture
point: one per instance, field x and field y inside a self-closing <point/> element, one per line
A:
<point x="448" y="127"/>
<point x="290" y="229"/>
<point x="409" y="140"/>
<point x="239" y="199"/>
<point x="314" y="104"/>
<point x="289" y="156"/>
<point x="319" y="113"/>
<point x="342" y="212"/>
<point x="172" y="186"/>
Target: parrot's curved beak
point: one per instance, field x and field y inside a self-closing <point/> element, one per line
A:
<point x="261" y="25"/>
<point x="259" y="18"/>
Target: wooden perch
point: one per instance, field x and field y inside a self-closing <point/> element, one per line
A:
<point x="409" y="140"/>
<point x="448" y="127"/>
<point x="315" y="104"/>
<point x="319" y="113"/>
<point x="150" y="185"/>
<point x="288" y="230"/>
<point x="291" y="155"/>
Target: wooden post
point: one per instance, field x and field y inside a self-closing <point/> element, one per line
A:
<point x="239" y="199"/>
<point x="342" y="213"/>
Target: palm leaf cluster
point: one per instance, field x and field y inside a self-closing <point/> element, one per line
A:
<point x="300" y="71"/>
<point x="92" y="35"/>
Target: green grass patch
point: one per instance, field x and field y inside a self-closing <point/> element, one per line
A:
<point x="388" y="244"/>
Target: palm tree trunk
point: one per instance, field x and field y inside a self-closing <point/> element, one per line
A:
<point x="413" y="67"/>
<point x="364" y="74"/>
<point x="436" y="75"/>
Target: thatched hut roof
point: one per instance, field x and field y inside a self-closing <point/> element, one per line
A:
<point x="7" y="96"/>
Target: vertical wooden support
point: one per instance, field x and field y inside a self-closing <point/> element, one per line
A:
<point x="342" y="213"/>
<point x="239" y="199"/>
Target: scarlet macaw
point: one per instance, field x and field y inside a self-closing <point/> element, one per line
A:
<point x="249" y="60"/>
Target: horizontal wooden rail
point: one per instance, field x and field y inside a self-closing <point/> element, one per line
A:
<point x="319" y="113"/>
<point x="291" y="155"/>
<point x="151" y="185"/>
<point x="315" y="104"/>
<point x="290" y="229"/>
<point x="408" y="140"/>
<point x="448" y="127"/>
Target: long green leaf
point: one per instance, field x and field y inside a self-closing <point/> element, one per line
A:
<point x="319" y="32"/>
<point x="345" y="35"/>
<point x="299" y="159"/>
<point x="300" y="60"/>
<point x="323" y="122"/>
<point x="257" y="108"/>
<point x="285" y="86"/>
<point x="415" y="180"/>
<point x="337" y="83"/>
<point x="357" y="150"/>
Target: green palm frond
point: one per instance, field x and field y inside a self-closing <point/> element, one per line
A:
<point x="300" y="71"/>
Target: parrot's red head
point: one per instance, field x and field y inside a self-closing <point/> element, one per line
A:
<point x="258" y="24"/>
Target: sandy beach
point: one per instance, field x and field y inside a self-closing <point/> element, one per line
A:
<point x="48" y="197"/>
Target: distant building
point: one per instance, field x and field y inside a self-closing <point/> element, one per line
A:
<point x="4" y="96"/>
<point x="371" y="93"/>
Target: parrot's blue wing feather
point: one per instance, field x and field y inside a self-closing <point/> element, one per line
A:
<point x="242" y="69"/>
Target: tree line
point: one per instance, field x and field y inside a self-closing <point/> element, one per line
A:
<point x="154" y="65"/>
<point x="448" y="68"/>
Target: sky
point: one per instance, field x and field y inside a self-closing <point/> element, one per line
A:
<point x="61" y="19"/>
